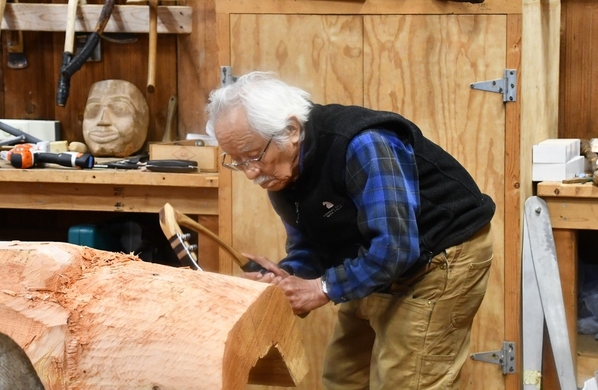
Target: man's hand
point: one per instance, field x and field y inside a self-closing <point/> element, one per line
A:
<point x="304" y="295"/>
<point x="272" y="270"/>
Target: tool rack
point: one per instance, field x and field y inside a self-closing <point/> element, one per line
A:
<point x="125" y="18"/>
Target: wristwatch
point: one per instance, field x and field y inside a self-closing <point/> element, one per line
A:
<point x="324" y="288"/>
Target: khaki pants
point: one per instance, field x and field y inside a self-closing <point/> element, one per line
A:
<point x="416" y="338"/>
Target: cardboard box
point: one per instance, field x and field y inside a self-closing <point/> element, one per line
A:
<point x="206" y="156"/>
<point x="555" y="150"/>
<point x="558" y="172"/>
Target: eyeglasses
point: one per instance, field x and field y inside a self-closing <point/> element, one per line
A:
<point x="243" y="165"/>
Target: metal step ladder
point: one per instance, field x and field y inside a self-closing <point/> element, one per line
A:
<point x="543" y="300"/>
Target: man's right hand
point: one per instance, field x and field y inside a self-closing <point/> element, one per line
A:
<point x="271" y="270"/>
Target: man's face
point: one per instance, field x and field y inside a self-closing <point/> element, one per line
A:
<point x="112" y="124"/>
<point x="277" y="168"/>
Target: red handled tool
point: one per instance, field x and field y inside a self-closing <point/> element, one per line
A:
<point x="23" y="157"/>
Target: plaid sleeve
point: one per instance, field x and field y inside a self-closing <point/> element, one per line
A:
<point x="381" y="178"/>
<point x="304" y="260"/>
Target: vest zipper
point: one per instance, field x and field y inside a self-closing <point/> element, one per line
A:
<point x="297" y="213"/>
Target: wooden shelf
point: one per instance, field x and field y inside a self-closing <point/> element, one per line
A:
<point x="107" y="176"/>
<point x="124" y="18"/>
<point x="107" y="190"/>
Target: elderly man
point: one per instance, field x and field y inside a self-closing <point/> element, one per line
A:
<point x="379" y="219"/>
<point x="116" y="119"/>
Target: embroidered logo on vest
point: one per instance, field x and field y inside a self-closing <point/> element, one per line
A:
<point x="332" y="208"/>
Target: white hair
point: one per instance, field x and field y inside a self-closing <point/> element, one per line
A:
<point x="268" y="103"/>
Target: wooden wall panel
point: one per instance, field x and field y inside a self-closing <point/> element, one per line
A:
<point x="328" y="63"/>
<point x="513" y="208"/>
<point x="578" y="108"/>
<point x="27" y="92"/>
<point x="30" y="93"/>
<point x="422" y="67"/>
<point x="198" y="67"/>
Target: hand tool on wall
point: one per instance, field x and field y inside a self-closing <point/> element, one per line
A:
<point x="68" y="70"/>
<point x="171" y="120"/>
<point x="64" y="82"/>
<point x="15" y="48"/>
<point x="2" y="8"/>
<point x="153" y="45"/>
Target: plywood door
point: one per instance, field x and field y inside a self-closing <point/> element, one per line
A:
<point x="422" y="66"/>
<point x="419" y="66"/>
<point x="323" y="55"/>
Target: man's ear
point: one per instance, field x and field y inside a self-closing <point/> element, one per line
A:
<point x="294" y="128"/>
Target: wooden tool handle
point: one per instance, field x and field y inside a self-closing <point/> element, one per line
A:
<point x="71" y="15"/>
<point x="171" y="120"/>
<point x="2" y="7"/>
<point x="191" y="224"/>
<point x="170" y="219"/>
<point x="153" y="45"/>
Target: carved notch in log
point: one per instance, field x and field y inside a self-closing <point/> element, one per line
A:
<point x="89" y="318"/>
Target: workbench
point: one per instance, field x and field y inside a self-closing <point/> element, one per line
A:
<point x="108" y="190"/>
<point x="572" y="207"/>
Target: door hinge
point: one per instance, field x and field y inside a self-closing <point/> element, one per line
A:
<point x="226" y="76"/>
<point x="504" y="357"/>
<point x="507" y="85"/>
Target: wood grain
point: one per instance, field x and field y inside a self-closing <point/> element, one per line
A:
<point x="90" y="318"/>
<point x="408" y="66"/>
<point x="412" y="69"/>
<point x="578" y="78"/>
<point x="366" y="7"/>
<point x="513" y="202"/>
<point x="124" y="18"/>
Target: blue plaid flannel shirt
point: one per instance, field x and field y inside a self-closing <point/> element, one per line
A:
<point x="381" y="179"/>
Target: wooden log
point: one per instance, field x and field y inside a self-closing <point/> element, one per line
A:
<point x="94" y="319"/>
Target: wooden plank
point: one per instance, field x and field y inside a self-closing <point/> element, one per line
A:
<point x="107" y="197"/>
<point x="558" y="189"/>
<point x="572" y="213"/>
<point x="198" y="67"/>
<point x="117" y="177"/>
<point x="26" y="89"/>
<point x="329" y="65"/>
<point x="566" y="252"/>
<point x="366" y="7"/>
<point x="434" y="92"/>
<point x="513" y="210"/>
<point x="539" y="87"/>
<point x="124" y="18"/>
<point x="331" y="57"/>
<point x="587" y="358"/>
<point x="222" y="33"/>
<point x="579" y="75"/>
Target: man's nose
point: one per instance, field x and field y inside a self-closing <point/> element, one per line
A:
<point x="251" y="173"/>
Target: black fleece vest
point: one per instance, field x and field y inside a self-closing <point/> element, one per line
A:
<point x="452" y="206"/>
